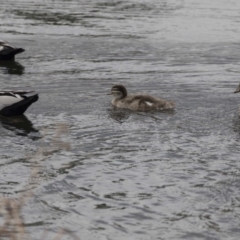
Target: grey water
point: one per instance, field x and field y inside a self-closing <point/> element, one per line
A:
<point x="124" y="175"/>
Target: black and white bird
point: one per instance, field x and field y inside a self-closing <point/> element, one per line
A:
<point x="8" y="52"/>
<point x="14" y="103"/>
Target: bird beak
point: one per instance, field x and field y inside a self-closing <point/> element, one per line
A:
<point x="237" y="90"/>
<point x="110" y="93"/>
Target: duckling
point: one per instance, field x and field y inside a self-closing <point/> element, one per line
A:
<point x="15" y="102"/>
<point x="138" y="102"/>
<point x="8" y="52"/>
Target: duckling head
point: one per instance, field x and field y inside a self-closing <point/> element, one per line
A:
<point x="119" y="91"/>
<point x="238" y="89"/>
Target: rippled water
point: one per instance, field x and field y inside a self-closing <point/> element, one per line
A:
<point x="116" y="174"/>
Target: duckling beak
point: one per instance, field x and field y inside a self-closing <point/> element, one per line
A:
<point x="237" y="90"/>
<point x="110" y="93"/>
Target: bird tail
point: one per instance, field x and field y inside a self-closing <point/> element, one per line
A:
<point x="14" y="52"/>
<point x="10" y="55"/>
<point x="169" y="105"/>
<point x="20" y="107"/>
<point x="18" y="50"/>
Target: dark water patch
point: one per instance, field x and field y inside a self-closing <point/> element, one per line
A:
<point x="103" y="206"/>
<point x="21" y="126"/>
<point x="11" y="67"/>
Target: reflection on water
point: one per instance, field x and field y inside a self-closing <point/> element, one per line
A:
<point x="119" y="115"/>
<point x="236" y="122"/>
<point x="20" y="125"/>
<point x="11" y="67"/>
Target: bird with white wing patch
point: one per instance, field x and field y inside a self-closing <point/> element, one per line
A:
<point x="8" y="52"/>
<point x="14" y="103"/>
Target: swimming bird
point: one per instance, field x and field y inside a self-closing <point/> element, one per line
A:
<point x="8" y="52"/>
<point x="138" y="102"/>
<point x="16" y="102"/>
<point x="238" y="89"/>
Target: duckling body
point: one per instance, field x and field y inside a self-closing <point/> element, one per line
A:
<point x="8" y="52"/>
<point x="138" y="102"/>
<point x="14" y="103"/>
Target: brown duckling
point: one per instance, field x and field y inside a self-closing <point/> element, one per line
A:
<point x="138" y="102"/>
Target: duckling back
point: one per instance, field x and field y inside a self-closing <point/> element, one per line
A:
<point x="148" y="103"/>
<point x="143" y="103"/>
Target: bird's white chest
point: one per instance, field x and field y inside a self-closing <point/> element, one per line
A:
<point x="9" y="100"/>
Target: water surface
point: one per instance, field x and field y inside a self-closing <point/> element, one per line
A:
<point x="116" y="174"/>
